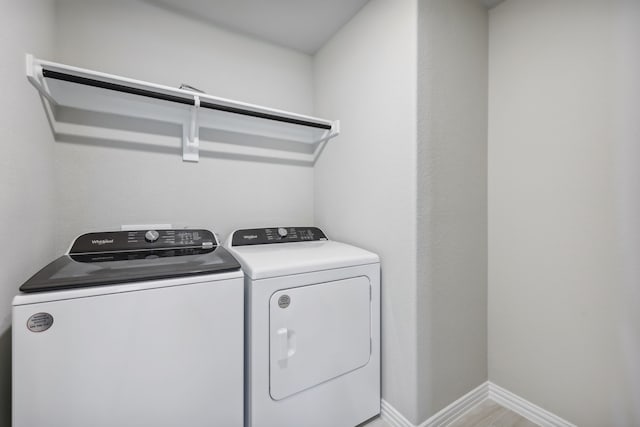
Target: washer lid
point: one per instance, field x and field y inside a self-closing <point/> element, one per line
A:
<point x="85" y="270"/>
<point x="263" y="261"/>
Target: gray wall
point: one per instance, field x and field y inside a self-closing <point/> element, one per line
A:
<point x="452" y="201"/>
<point x="564" y="204"/>
<point x="102" y="185"/>
<point x="26" y="172"/>
<point x="365" y="182"/>
<point x="407" y="179"/>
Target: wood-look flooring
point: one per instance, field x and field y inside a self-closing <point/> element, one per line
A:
<point x="491" y="414"/>
<point x="487" y="414"/>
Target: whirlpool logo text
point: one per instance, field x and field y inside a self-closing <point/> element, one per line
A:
<point x="102" y="242"/>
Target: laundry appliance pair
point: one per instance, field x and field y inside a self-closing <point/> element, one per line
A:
<point x="162" y="328"/>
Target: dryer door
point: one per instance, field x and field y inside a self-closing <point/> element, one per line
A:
<point x="318" y="332"/>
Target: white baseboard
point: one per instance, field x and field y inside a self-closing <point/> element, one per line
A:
<point x="392" y="416"/>
<point x="525" y="408"/>
<point x="475" y="397"/>
<point x="443" y="417"/>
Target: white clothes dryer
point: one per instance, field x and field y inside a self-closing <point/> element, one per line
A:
<point x="131" y="328"/>
<point x="312" y="328"/>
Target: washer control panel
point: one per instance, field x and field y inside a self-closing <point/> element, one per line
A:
<point x="263" y="236"/>
<point x="146" y="240"/>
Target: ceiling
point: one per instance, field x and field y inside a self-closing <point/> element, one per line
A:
<point x="491" y="3"/>
<point x="303" y="25"/>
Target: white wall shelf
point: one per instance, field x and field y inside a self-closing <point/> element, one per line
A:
<point x="67" y="86"/>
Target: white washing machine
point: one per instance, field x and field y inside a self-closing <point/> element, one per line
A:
<point x="132" y="328"/>
<point x="312" y="328"/>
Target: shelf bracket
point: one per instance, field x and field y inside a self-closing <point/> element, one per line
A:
<point x="322" y="142"/>
<point x="34" y="75"/>
<point x="191" y="134"/>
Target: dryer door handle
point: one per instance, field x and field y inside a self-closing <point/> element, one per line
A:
<point x="283" y="343"/>
<point x="286" y="343"/>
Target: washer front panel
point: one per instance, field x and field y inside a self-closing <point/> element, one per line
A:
<point x="162" y="357"/>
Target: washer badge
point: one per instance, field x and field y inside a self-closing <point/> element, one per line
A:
<point x="39" y="322"/>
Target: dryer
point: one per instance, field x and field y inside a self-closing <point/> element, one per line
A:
<point x="131" y="328"/>
<point x="312" y="328"/>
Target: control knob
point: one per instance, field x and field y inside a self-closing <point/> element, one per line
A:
<point x="151" y="236"/>
<point x="282" y="232"/>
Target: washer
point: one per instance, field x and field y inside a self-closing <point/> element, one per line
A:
<point x="312" y="328"/>
<point x="131" y="328"/>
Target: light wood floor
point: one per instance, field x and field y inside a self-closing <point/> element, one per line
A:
<point x="487" y="414"/>
<point x="490" y="414"/>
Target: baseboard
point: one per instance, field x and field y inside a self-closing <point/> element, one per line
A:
<point x="475" y="397"/>
<point x="392" y="416"/>
<point x="525" y="408"/>
<point x="443" y="417"/>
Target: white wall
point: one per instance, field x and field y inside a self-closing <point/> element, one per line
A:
<point x="452" y="201"/>
<point x="564" y="203"/>
<point x="365" y="181"/>
<point x="101" y="185"/>
<point x="26" y="173"/>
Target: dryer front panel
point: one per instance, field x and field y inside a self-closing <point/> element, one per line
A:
<point x="317" y="333"/>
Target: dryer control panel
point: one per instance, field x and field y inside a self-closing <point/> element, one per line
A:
<point x="263" y="236"/>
